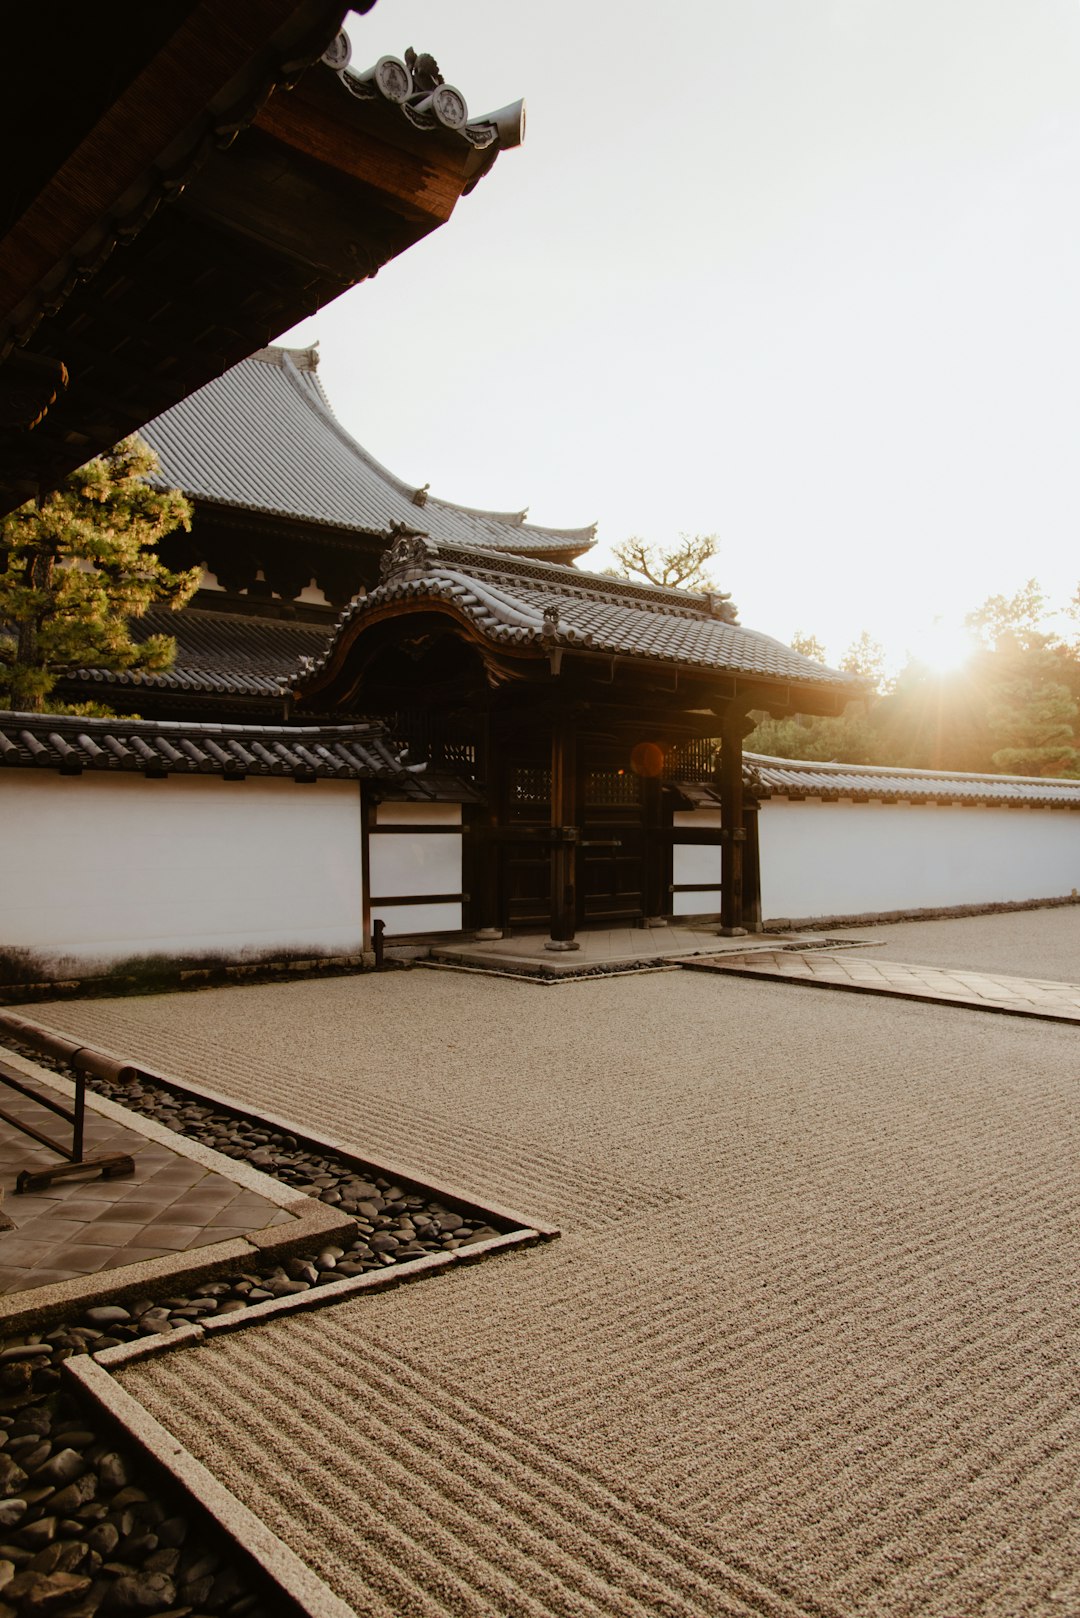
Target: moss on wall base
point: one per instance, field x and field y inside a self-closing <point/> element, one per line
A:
<point x="878" y="918"/>
<point x="29" y="975"/>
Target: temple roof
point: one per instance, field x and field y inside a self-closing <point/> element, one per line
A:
<point x="163" y="747"/>
<point x="803" y="778"/>
<point x="264" y="438"/>
<point x="515" y="602"/>
<point x="525" y="605"/>
<point x="216" y="652"/>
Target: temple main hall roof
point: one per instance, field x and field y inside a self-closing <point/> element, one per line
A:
<point x="264" y="438"/>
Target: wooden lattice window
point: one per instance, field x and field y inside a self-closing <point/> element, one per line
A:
<point x="693" y="760"/>
<point x="612" y="787"/>
<point x="530" y="783"/>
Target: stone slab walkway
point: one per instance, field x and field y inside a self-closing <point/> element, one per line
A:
<point x="978" y="991"/>
<point x="79" y="1227"/>
<point x="601" y="946"/>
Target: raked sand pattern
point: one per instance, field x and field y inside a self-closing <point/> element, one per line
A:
<point x="808" y="1345"/>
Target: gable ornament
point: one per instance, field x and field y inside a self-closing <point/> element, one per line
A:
<point x="407" y="558"/>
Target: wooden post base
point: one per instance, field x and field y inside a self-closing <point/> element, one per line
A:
<point x="109" y="1168"/>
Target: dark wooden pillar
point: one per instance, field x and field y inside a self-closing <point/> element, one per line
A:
<point x="732" y="828"/>
<point x="482" y="878"/>
<point x="656" y="899"/>
<point x="564" y="833"/>
<point x="751" y="870"/>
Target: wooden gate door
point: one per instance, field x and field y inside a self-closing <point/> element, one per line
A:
<point x="525" y="854"/>
<point x="611" y="877"/>
<point x="611" y="851"/>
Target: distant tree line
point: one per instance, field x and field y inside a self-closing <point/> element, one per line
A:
<point x="1012" y="708"/>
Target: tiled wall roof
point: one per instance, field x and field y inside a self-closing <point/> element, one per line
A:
<point x="799" y="778"/>
<point x="156" y="748"/>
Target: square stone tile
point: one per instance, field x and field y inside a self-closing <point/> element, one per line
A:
<point x="80" y="1208"/>
<point x="113" y="1232"/>
<point x="224" y="1233"/>
<point x="85" y="1260"/>
<point x="139" y="1252"/>
<point x="47" y="1276"/>
<point x="174" y="1237"/>
<point x="136" y="1209"/>
<point x="23" y="1252"/>
<point x="104" y="1190"/>
<point x="54" y="1231"/>
<point x="213" y="1192"/>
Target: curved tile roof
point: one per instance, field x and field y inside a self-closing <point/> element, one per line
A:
<point x="536" y="604"/>
<point x="264" y="438"/>
<point x="167" y="747"/>
<point x="216" y="651"/>
<point x="801" y="778"/>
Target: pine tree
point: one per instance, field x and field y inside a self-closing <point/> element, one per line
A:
<point x="1034" y="720"/>
<point x="809" y="646"/>
<point x="80" y="564"/>
<point x="865" y="657"/>
<point x="683" y="567"/>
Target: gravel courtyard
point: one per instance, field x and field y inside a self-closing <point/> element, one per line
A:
<point x="806" y="1346"/>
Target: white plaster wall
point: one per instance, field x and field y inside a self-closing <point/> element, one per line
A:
<point x="402" y="865"/>
<point x="696" y="862"/>
<point x="99" y="868"/>
<point x="834" y="859"/>
<point x="401" y="919"/>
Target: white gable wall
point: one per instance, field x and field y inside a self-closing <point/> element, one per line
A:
<point x="846" y="858"/>
<point x="99" y="868"/>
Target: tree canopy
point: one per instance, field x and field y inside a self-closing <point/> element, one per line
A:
<point x="1013" y="708"/>
<point x="684" y="565"/>
<point x="78" y="566"/>
<point x="681" y="567"/>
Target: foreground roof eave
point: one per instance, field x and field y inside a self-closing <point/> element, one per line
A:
<point x="237" y="185"/>
<point x="286" y="40"/>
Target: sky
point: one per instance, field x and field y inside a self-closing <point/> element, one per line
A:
<point x="804" y="274"/>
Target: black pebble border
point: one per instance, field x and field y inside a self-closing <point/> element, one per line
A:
<point x="78" y="1536"/>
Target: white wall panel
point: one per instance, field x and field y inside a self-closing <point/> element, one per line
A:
<point x="103" y="867"/>
<point x="829" y="859"/>
<point x="696" y="862"/>
<point x="399" y="919"/>
<point x="403" y="865"/>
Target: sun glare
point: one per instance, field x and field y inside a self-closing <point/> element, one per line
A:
<point x="944" y="648"/>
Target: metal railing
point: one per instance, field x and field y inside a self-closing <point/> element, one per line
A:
<point x="82" y="1062"/>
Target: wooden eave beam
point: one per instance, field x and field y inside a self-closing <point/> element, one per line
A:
<point x="219" y="63"/>
<point x="366" y="142"/>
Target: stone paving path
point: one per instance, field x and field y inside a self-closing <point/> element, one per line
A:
<point x="79" y="1227"/>
<point x="600" y="946"/>
<point x="980" y="991"/>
